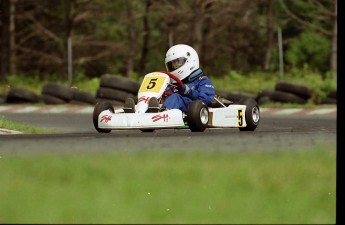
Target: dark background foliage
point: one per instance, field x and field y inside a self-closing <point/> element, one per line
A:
<point x="126" y="36"/>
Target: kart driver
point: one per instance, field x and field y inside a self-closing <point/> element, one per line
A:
<point x="183" y="61"/>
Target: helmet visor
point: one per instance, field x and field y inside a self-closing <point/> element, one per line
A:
<point x="175" y="64"/>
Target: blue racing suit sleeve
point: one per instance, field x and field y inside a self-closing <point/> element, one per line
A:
<point x="202" y="89"/>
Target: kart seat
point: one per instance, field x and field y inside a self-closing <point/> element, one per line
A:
<point x="216" y="104"/>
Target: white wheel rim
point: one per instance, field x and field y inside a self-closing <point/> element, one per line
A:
<point x="255" y="114"/>
<point x="204" y="116"/>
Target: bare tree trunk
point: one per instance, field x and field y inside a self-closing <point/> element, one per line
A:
<point x="146" y="38"/>
<point x="69" y="18"/>
<point x="131" y="38"/>
<point x="334" y="40"/>
<point x="198" y="26"/>
<point x="4" y="39"/>
<point x="8" y="43"/>
<point x="269" y="35"/>
<point x="12" y="38"/>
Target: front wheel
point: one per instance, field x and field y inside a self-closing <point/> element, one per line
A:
<point x="252" y="114"/>
<point x="197" y="116"/>
<point x="100" y="107"/>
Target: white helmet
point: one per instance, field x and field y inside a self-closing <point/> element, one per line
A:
<point x="181" y="60"/>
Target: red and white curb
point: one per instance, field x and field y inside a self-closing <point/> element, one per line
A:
<point x="4" y="131"/>
<point x="75" y="109"/>
<point x="309" y="112"/>
<point x="47" y="109"/>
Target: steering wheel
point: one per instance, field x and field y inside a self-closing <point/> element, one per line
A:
<point x="172" y="76"/>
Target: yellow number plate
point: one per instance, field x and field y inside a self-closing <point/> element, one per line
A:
<point x="152" y="84"/>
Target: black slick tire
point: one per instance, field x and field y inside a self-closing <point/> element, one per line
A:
<point x="252" y="114"/>
<point x="197" y="116"/>
<point x="100" y="107"/>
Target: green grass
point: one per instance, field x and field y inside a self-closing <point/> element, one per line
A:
<point x="170" y="187"/>
<point x="35" y="84"/>
<point x="11" y="125"/>
<point x="250" y="83"/>
<point x="319" y="84"/>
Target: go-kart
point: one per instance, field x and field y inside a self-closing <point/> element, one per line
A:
<point x="222" y="113"/>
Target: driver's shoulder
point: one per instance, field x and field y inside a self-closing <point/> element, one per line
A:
<point x="204" y="78"/>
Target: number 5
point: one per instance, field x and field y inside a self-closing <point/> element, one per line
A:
<point x="152" y="83"/>
<point x="240" y="118"/>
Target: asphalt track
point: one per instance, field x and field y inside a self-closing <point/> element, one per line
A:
<point x="76" y="135"/>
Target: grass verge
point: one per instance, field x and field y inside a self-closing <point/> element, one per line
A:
<point x="170" y="187"/>
<point x="11" y="125"/>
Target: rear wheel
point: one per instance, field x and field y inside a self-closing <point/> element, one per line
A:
<point x="197" y="116"/>
<point x="252" y="114"/>
<point x="100" y="107"/>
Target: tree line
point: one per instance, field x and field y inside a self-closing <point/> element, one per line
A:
<point x="132" y="36"/>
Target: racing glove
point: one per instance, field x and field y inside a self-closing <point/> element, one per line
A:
<point x="184" y="89"/>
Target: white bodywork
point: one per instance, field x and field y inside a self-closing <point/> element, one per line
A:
<point x="218" y="117"/>
<point x="168" y="119"/>
<point x="231" y="116"/>
<point x="154" y="85"/>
